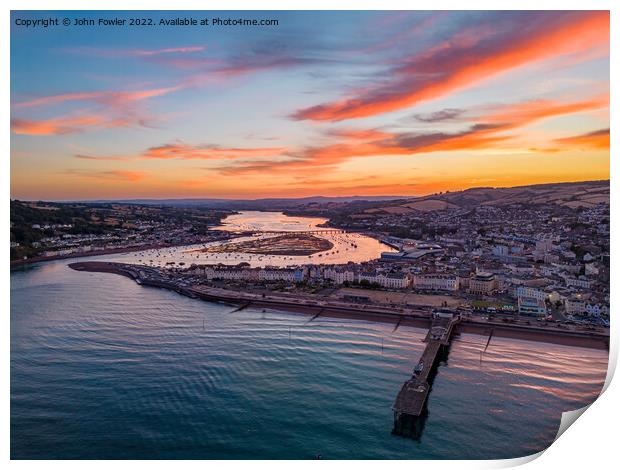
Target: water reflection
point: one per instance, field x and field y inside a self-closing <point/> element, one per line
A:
<point x="346" y="246"/>
<point x="104" y="368"/>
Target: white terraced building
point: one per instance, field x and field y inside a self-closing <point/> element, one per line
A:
<point x="249" y="274"/>
<point x="532" y="306"/>
<point x="339" y="275"/>
<point x="530" y="292"/>
<point x="574" y="282"/>
<point x="575" y="304"/>
<point x="233" y="274"/>
<point x="436" y="281"/>
<point x="243" y="274"/>
<point x="389" y="280"/>
<point x="370" y="276"/>
<point x="275" y="274"/>
<point x="396" y="281"/>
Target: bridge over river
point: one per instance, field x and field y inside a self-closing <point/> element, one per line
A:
<point x="307" y="232"/>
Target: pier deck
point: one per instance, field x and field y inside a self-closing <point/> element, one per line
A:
<point x="414" y="392"/>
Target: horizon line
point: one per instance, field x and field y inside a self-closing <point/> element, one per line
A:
<point x="129" y="200"/>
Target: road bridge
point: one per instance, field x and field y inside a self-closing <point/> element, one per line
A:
<point x="307" y="232"/>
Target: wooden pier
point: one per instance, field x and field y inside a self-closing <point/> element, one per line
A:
<point x="411" y="398"/>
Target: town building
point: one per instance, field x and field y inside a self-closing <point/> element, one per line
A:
<point x="482" y="283"/>
<point x="532" y="306"/>
<point x="436" y="281"/>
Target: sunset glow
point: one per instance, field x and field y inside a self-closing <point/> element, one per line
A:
<point x="386" y="103"/>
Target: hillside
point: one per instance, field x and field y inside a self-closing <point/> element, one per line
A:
<point x="574" y="195"/>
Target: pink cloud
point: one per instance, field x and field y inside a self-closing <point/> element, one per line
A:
<point x="56" y="126"/>
<point x="112" y="98"/>
<point x="489" y="131"/>
<point x="113" y="175"/>
<point x="469" y="57"/>
<point x="114" y="53"/>
<point x="100" y="158"/>
<point x="74" y="123"/>
<point x="190" y="152"/>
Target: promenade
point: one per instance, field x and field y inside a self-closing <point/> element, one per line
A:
<point x="309" y="304"/>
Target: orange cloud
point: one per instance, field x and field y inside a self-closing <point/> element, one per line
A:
<point x="468" y="58"/>
<point x="488" y="132"/>
<point x="104" y="97"/>
<point x="592" y="140"/>
<point x="359" y="134"/>
<point x="491" y="131"/>
<point x="99" y="158"/>
<point x="476" y="137"/>
<point x="246" y="167"/>
<point x="57" y="126"/>
<point x="534" y="110"/>
<point x="117" y="109"/>
<point x="114" y="175"/>
<point x="213" y="152"/>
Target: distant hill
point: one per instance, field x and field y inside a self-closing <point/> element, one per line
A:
<point x="573" y="195"/>
<point x="579" y="194"/>
<point x="251" y="204"/>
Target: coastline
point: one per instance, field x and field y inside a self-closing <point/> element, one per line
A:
<point x="109" y="251"/>
<point x="106" y="251"/>
<point x="419" y="319"/>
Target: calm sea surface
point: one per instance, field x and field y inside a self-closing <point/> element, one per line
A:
<point x="104" y="368"/>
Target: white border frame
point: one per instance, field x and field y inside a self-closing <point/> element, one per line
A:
<point x="589" y="444"/>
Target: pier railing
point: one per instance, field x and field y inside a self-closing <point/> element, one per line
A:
<point x="412" y="396"/>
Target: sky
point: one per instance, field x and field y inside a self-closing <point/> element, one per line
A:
<point x="323" y="103"/>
